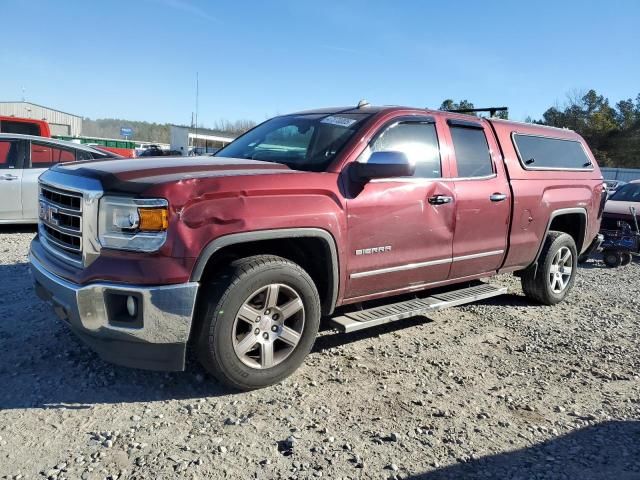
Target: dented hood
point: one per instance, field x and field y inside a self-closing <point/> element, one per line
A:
<point x="135" y="175"/>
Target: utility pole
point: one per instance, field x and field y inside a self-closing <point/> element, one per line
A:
<point x="197" y="93"/>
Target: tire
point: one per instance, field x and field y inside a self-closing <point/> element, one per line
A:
<point x="236" y="351"/>
<point x="539" y="284"/>
<point x="612" y="258"/>
<point x="625" y="258"/>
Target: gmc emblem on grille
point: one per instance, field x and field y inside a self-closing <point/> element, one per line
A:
<point x="48" y="213"/>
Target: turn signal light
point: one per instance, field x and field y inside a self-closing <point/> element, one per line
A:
<point x="153" y="219"/>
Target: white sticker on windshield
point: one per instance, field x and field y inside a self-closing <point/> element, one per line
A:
<point x="339" y="121"/>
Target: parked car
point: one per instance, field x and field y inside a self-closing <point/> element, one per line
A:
<point x="617" y="208"/>
<point x="22" y="159"/>
<point x="613" y="185"/>
<point x="152" y="151"/>
<point x="309" y="216"/>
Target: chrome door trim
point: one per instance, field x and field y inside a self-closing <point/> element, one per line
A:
<point x="400" y="268"/>
<point x="467" y="179"/>
<point x="412" y="266"/>
<point x="478" y="255"/>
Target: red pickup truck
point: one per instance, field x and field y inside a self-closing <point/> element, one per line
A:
<point x="307" y="216"/>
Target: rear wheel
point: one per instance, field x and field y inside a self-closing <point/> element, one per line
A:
<point x="553" y="279"/>
<point x="612" y="258"/>
<point x="259" y="322"/>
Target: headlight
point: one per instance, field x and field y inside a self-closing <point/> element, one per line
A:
<point x="132" y="223"/>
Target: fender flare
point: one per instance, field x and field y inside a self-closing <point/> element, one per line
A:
<point x="275" y="234"/>
<point x="557" y="213"/>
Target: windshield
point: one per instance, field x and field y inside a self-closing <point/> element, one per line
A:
<point x="303" y="142"/>
<point x="627" y="193"/>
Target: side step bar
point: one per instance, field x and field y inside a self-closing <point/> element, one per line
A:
<point x="358" y="320"/>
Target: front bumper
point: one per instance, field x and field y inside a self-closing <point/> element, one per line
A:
<point x="155" y="339"/>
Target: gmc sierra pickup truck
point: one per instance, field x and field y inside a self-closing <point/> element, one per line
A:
<point x="360" y="215"/>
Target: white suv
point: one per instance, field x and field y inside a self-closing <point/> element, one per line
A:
<point x="22" y="159"/>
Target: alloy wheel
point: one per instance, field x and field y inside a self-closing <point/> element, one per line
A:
<point x="561" y="270"/>
<point x="268" y="326"/>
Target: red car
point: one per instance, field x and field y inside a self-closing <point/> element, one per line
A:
<point x="309" y="216"/>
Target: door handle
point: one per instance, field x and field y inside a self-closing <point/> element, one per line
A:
<point x="497" y="197"/>
<point x="440" y="200"/>
<point x="8" y="176"/>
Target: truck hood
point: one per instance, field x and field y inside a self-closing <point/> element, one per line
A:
<point x="135" y="175"/>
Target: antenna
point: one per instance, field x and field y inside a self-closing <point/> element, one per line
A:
<point x="363" y="103"/>
<point x="195" y="140"/>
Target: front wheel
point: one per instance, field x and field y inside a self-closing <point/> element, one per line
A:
<point x="557" y="265"/>
<point x="260" y="320"/>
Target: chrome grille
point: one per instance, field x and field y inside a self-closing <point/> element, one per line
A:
<point x="61" y="222"/>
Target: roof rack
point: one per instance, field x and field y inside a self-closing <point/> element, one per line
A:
<point x="492" y="110"/>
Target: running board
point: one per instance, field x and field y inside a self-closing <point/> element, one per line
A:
<point x="358" y="320"/>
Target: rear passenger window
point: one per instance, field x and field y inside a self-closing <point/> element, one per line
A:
<point x="418" y="141"/>
<point x="472" y="152"/>
<point x="550" y="153"/>
<point x="9" y="154"/>
<point x="45" y="156"/>
<point x="23" y="128"/>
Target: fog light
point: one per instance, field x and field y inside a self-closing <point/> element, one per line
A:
<point x="132" y="306"/>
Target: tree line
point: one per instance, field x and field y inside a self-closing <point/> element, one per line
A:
<point x="612" y="132"/>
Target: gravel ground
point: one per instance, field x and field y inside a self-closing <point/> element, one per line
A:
<point x="500" y="389"/>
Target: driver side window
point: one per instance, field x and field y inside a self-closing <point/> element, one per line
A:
<point x="418" y="141"/>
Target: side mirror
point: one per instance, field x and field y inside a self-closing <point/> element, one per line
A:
<point x="383" y="165"/>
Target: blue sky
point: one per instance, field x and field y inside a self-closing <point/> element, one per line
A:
<point x="138" y="59"/>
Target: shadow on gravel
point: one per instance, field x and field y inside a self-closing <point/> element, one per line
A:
<point x="510" y="300"/>
<point x="596" y="262"/>
<point x="326" y="342"/>
<point x="78" y="379"/>
<point x="18" y="229"/>
<point x="609" y="450"/>
<point x="593" y="264"/>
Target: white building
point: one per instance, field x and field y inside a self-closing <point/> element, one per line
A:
<point x="201" y="141"/>
<point x="60" y="123"/>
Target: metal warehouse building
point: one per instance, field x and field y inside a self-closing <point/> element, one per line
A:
<point x="61" y="123"/>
